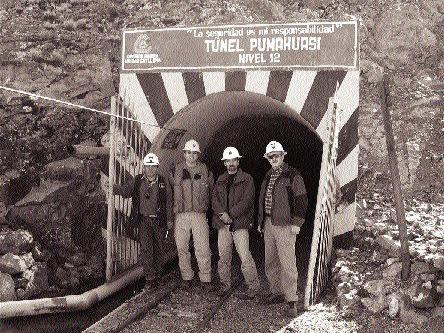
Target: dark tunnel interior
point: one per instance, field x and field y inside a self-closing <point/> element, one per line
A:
<point x="248" y="122"/>
<point x="250" y="134"/>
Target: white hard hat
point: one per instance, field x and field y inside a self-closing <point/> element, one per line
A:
<point x="274" y="146"/>
<point x="151" y="159"/>
<point x="192" y="145"/>
<point x="230" y="153"/>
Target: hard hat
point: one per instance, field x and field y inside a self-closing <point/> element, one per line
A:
<point x="274" y="146"/>
<point x="230" y="153"/>
<point x="192" y="145"/>
<point x="151" y="159"/>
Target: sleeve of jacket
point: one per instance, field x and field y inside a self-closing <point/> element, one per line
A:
<point x="170" y="201"/>
<point x="260" y="207"/>
<point x="300" y="201"/>
<point x="210" y="182"/>
<point x="247" y="200"/>
<point x="125" y="190"/>
<point x="215" y="203"/>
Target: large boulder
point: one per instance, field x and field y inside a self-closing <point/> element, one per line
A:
<point x="426" y="296"/>
<point x="84" y="172"/>
<point x="408" y="314"/>
<point x="378" y="287"/>
<point x="37" y="277"/>
<point x="14" y="264"/>
<point x="15" y="242"/>
<point x="7" y="288"/>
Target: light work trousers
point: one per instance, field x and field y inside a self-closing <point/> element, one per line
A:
<point x="280" y="260"/>
<point x="242" y="243"/>
<point x="196" y="223"/>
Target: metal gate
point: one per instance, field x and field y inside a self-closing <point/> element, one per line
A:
<point x="322" y="242"/>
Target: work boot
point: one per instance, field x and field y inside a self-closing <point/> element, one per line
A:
<point x="206" y="287"/>
<point x="292" y="310"/>
<point x="273" y="299"/>
<point x="185" y="285"/>
<point x="249" y="294"/>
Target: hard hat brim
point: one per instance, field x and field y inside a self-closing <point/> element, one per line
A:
<point x="232" y="158"/>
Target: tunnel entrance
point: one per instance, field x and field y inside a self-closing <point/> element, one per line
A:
<point x="248" y="122"/>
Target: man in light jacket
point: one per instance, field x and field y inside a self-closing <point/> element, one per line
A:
<point x="192" y="187"/>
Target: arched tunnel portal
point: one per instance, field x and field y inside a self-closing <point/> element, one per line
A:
<point x="248" y="121"/>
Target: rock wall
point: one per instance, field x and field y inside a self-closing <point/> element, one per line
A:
<point x="51" y="240"/>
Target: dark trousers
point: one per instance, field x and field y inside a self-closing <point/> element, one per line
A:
<point x="151" y="237"/>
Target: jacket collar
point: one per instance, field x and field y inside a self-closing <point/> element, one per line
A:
<point x="240" y="176"/>
<point x="285" y="168"/>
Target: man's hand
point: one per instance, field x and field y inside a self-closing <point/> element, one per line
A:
<point x="295" y="229"/>
<point x="225" y="218"/>
<point x="260" y="231"/>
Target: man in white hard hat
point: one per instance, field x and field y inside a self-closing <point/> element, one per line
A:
<point x="233" y="206"/>
<point x="151" y="212"/>
<point x="282" y="207"/>
<point x="192" y="187"/>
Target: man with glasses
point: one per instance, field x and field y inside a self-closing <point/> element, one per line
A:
<point x="233" y="206"/>
<point x="192" y="185"/>
<point x="282" y="207"/>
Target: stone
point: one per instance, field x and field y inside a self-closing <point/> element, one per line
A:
<point x="436" y="324"/>
<point x="389" y="244"/>
<point x="378" y="287"/>
<point x="64" y="170"/>
<point x="7" y="288"/>
<point x="427" y="277"/>
<point x="85" y="272"/>
<point x="48" y="191"/>
<point x="37" y="276"/>
<point x="438" y="311"/>
<point x="438" y="262"/>
<point x="391" y="261"/>
<point x="371" y="71"/>
<point x="39" y="253"/>
<point x="97" y="266"/>
<point x="408" y="314"/>
<point x="20" y="282"/>
<point x="14" y="264"/>
<point x="425" y="296"/>
<point x="393" y="306"/>
<point x="420" y="267"/>
<point x="77" y="259"/>
<point x="375" y="304"/>
<point x="62" y="277"/>
<point x="15" y="242"/>
<point x="393" y="271"/>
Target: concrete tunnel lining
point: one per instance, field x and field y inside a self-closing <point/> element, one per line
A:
<point x="248" y="121"/>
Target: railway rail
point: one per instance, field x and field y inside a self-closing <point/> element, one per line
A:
<point x="141" y="304"/>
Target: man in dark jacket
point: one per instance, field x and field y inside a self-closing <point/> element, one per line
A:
<point x="282" y="207"/>
<point x="233" y="206"/>
<point x="151" y="211"/>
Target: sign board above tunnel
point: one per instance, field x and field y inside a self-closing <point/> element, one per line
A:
<point x="255" y="46"/>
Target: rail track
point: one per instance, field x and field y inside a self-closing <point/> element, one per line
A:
<point x="187" y="309"/>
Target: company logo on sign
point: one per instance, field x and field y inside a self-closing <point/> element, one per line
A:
<point x="143" y="44"/>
